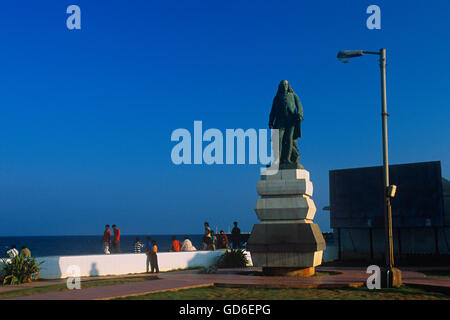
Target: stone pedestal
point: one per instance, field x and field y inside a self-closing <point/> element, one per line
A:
<point x="286" y="237"/>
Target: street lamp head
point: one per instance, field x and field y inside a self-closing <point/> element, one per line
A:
<point x="344" y="56"/>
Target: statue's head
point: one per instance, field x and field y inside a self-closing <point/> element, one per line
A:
<point x="284" y="87"/>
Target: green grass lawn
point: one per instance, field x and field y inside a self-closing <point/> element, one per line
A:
<point x="227" y="293"/>
<point x="20" y="292"/>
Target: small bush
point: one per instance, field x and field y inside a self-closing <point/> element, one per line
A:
<point x="234" y="258"/>
<point x="19" y="270"/>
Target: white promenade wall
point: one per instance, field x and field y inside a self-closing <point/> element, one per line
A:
<point x="60" y="267"/>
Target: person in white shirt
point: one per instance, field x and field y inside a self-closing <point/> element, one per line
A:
<point x="187" y="245"/>
<point x="138" y="245"/>
<point x="13" y="252"/>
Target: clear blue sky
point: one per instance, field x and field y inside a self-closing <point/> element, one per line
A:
<point x="86" y="115"/>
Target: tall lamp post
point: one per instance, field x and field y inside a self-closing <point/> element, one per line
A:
<point x="390" y="275"/>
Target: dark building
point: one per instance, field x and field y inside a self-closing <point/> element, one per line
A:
<point x="420" y="211"/>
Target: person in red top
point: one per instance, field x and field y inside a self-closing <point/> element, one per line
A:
<point x="106" y="239"/>
<point x="115" y="246"/>
<point x="176" y="245"/>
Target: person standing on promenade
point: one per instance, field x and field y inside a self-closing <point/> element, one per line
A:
<point x="207" y="241"/>
<point x="176" y="245"/>
<point x="154" y="257"/>
<point x="207" y="229"/>
<point x="236" y="236"/>
<point x="213" y="241"/>
<point x="106" y="239"/>
<point x="115" y="246"/>
<point x="138" y="245"/>
<point x="148" y="244"/>
<point x="223" y="241"/>
<point x="25" y="252"/>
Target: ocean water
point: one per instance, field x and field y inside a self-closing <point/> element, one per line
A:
<point x="44" y="246"/>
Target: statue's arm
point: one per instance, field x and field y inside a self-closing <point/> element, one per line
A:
<point x="298" y="104"/>
<point x="272" y="115"/>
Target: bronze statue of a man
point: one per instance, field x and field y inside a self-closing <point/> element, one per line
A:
<point x="286" y="116"/>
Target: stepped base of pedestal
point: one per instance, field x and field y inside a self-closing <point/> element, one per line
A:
<point x="289" y="272"/>
<point x="283" y="237"/>
<point x="294" y="260"/>
<point x="286" y="239"/>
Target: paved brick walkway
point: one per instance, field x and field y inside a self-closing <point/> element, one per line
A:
<point x="235" y="277"/>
